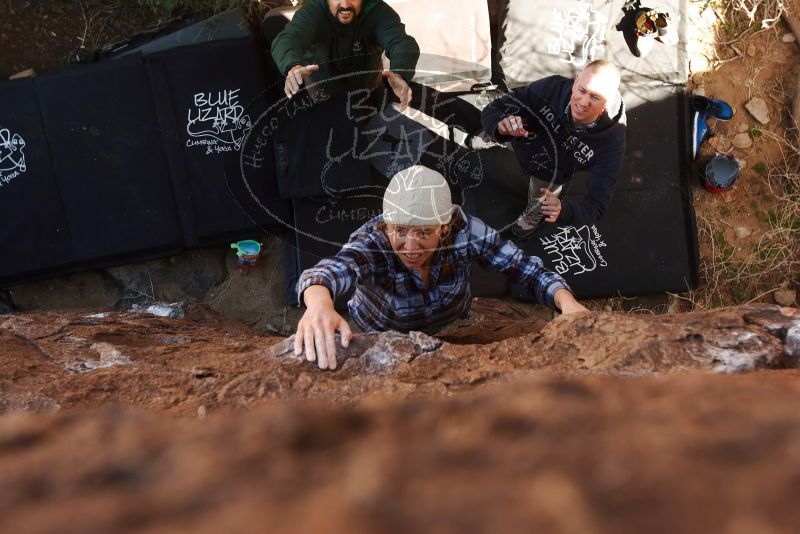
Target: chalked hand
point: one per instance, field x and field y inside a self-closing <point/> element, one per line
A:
<point x="295" y="78"/>
<point x="512" y="126"/>
<point x="315" y="337"/>
<point x="399" y="87"/>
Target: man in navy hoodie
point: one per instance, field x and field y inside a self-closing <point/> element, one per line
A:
<point x="558" y="126"/>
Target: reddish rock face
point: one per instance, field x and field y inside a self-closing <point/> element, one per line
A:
<point x="591" y="423"/>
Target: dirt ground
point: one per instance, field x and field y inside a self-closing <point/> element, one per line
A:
<point x="48" y="35"/>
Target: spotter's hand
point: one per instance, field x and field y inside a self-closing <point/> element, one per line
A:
<point x="399" y="87"/>
<point x="295" y="78"/>
<point x="551" y="205"/>
<point x="512" y="125"/>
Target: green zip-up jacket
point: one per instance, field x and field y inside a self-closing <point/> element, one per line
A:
<point x="314" y="36"/>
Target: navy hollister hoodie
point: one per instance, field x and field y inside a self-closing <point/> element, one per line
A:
<point x="555" y="147"/>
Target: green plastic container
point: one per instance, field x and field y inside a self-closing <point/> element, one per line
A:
<point x="247" y="253"/>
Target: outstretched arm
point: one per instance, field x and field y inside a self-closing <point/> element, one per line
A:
<point x="291" y="45"/>
<point x="296" y="76"/>
<point x="399" y="87"/>
<point x="496" y="254"/>
<point x="358" y="261"/>
<point x="401" y="49"/>
<point x="502" y="119"/>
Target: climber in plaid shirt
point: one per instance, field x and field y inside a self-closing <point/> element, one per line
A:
<point x="410" y="268"/>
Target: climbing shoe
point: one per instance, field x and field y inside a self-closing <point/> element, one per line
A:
<point x="531" y="218"/>
<point x="713" y="107"/>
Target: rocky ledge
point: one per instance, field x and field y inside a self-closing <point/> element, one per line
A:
<point x="170" y="418"/>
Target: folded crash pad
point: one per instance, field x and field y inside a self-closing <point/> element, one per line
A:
<point x="216" y="93"/>
<point x="110" y="162"/>
<point x="34" y="234"/>
<point x="94" y="187"/>
<point x="127" y="160"/>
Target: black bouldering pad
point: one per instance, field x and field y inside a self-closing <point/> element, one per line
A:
<point x="217" y="96"/>
<point x="34" y="234"/>
<point x="112" y="171"/>
<point x="646" y="243"/>
<point x="134" y="159"/>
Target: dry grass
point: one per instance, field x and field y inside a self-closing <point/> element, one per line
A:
<point x="741" y="19"/>
<point x="774" y="260"/>
<point x="254" y="9"/>
<point x="728" y="276"/>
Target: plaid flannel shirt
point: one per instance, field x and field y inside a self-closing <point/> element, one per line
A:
<point x="389" y="296"/>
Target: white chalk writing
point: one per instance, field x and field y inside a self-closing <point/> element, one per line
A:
<point x="217" y="121"/>
<point x="575" y="250"/>
<point x="577" y="33"/>
<point x="326" y="214"/>
<point x="399" y="142"/>
<point x="12" y="156"/>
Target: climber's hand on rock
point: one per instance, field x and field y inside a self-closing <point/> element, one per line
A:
<point x="316" y="330"/>
<point x="565" y="301"/>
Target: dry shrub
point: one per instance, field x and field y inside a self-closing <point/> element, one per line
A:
<point x="727" y="278"/>
<point x="774" y="260"/>
<point x="254" y="9"/>
<point x="739" y="19"/>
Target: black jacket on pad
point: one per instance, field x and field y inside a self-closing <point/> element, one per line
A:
<point x="556" y="148"/>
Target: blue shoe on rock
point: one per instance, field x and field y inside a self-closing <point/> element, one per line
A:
<point x="713" y="107"/>
<point x="704" y="108"/>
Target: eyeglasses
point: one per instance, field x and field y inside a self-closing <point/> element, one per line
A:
<point x="419" y="232"/>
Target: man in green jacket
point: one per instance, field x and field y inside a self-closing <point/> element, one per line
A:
<point x="339" y="42"/>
